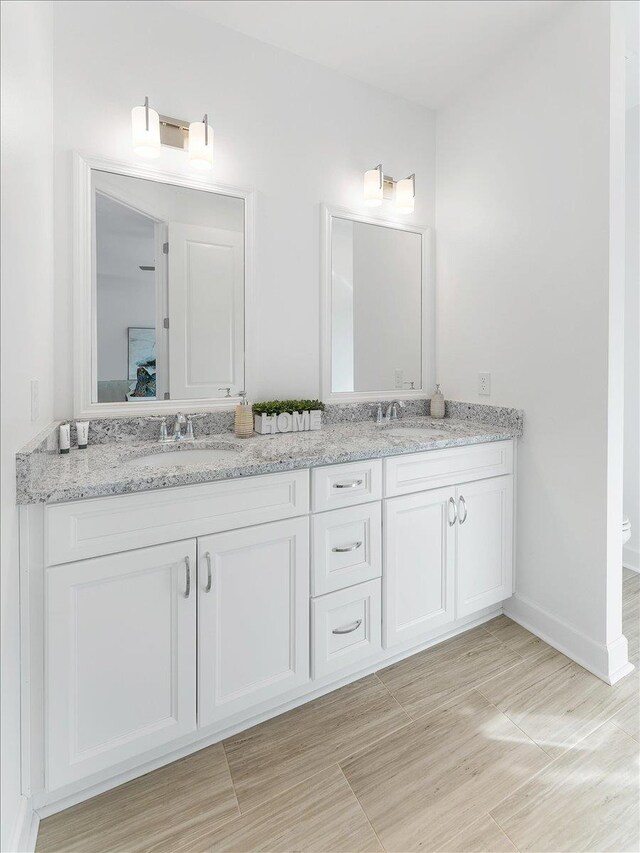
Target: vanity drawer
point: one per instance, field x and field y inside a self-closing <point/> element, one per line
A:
<point x="436" y="468"/>
<point x="346" y="485"/>
<point x="346" y="547"/>
<point x="345" y="627"/>
<point x="91" y="528"/>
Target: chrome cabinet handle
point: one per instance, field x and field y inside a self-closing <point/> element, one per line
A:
<point x="348" y="629"/>
<point x="464" y="507"/>
<point x="453" y="504"/>
<point x="187" y="590"/>
<point x="350" y="485"/>
<point x="345" y="548"/>
<point x="207" y="557"/>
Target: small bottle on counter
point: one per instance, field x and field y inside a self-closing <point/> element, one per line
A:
<point x="82" y="431"/>
<point x="437" y="403"/>
<point x="243" y="425"/>
<point x="64" y="438"/>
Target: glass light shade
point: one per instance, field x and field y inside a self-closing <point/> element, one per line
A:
<point x="405" y="200"/>
<point x="372" y="188"/>
<point x="200" y="153"/>
<point x="146" y="143"/>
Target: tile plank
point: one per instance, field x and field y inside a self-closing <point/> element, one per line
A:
<point x="483" y="836"/>
<point x="555" y="701"/>
<point x="281" y="752"/>
<point x="522" y="642"/>
<point x="437" y="675"/>
<point x="586" y="800"/>
<point x="419" y="785"/>
<point x="134" y="816"/>
<point x="319" y="814"/>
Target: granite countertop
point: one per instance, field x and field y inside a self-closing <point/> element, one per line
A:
<point x="105" y="469"/>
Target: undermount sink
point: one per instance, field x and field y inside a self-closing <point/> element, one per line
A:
<point x="188" y="456"/>
<point x="425" y="432"/>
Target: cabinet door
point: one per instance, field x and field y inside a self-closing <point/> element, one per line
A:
<point x="121" y="658"/>
<point x="419" y="563"/>
<point x="253" y="616"/>
<point x="484" y="543"/>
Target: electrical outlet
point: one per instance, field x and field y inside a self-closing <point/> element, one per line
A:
<point x="484" y="384"/>
<point x="399" y="379"/>
<point x="35" y="399"/>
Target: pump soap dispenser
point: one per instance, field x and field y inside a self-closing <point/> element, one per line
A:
<point x="437" y="403"/>
<point x="243" y="426"/>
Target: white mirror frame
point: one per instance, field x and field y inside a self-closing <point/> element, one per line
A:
<point x="428" y="311"/>
<point x="84" y="313"/>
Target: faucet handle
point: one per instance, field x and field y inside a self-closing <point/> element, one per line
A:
<point x="227" y="389"/>
<point x="189" y="432"/>
<point x="164" y="435"/>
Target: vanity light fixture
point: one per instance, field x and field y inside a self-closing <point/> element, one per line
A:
<point x="145" y="126"/>
<point x="201" y="144"/>
<point x="373" y="186"/>
<point x="378" y="187"/>
<point x="151" y="130"/>
<point x="406" y="195"/>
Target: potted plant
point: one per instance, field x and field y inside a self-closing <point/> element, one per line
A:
<point x="275" y="416"/>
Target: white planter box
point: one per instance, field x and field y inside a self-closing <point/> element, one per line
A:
<point x="296" y="422"/>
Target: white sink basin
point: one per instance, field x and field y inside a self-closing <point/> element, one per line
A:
<point x="188" y="456"/>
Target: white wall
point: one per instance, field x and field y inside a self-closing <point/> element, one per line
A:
<point x="27" y="324"/>
<point x="631" y="554"/>
<point x="523" y="271"/>
<point x="300" y="134"/>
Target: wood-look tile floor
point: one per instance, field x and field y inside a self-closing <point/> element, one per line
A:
<point x="492" y="741"/>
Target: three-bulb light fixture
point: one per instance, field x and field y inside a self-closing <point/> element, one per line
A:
<point x="150" y="131"/>
<point x="378" y="187"/>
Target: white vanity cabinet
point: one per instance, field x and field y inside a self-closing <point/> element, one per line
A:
<point x="253" y="616"/>
<point x="484" y="543"/>
<point x="173" y="617"/>
<point x="419" y="564"/>
<point x="448" y="551"/>
<point x="120" y="658"/>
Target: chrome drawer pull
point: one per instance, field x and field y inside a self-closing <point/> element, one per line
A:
<point x="349" y="629"/>
<point x="351" y="485"/>
<point x="187" y="591"/>
<point x="345" y="548"/>
<point x="453" y="504"/>
<point x="463" y="518"/>
<point x="207" y="557"/>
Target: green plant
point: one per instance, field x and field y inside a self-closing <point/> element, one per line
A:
<point x="280" y="407"/>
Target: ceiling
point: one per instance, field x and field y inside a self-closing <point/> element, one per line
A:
<point x="424" y="50"/>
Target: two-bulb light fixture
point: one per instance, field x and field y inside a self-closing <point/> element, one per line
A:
<point x="378" y="187"/>
<point x="151" y="131"/>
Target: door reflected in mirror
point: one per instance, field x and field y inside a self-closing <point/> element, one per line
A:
<point x="376" y="307"/>
<point x="168" y="276"/>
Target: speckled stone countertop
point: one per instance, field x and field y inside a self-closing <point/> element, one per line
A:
<point x="110" y="468"/>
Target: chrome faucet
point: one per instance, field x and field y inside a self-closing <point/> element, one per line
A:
<point x="177" y="427"/>
<point x="392" y="411"/>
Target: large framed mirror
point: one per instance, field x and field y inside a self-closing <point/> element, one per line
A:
<point x="377" y="308"/>
<point x="160" y="291"/>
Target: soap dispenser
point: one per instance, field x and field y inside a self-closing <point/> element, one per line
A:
<point x="437" y="403"/>
<point x="243" y="425"/>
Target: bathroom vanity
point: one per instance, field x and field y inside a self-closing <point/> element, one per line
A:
<point x="171" y="605"/>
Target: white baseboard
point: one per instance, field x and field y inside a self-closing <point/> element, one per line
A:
<point x="631" y="558"/>
<point x="609" y="663"/>
<point x="26" y="828"/>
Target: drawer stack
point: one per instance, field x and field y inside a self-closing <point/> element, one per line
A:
<point x="346" y="565"/>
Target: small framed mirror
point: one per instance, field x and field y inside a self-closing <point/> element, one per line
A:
<point x="161" y="284"/>
<point x="377" y="311"/>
